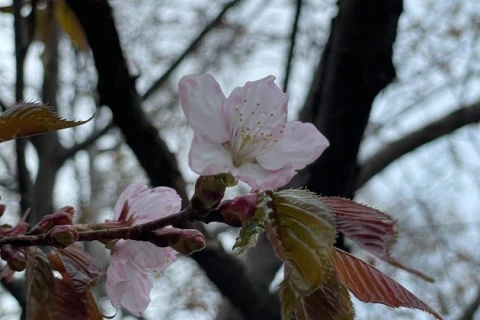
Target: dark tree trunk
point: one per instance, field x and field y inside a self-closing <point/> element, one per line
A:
<point x="355" y="66"/>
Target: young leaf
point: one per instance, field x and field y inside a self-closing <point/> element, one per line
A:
<point x="369" y="228"/>
<point x="79" y="266"/>
<point x="252" y="228"/>
<point x="50" y="298"/>
<point x="371" y="285"/>
<point x="300" y="228"/>
<point x="330" y="302"/>
<point x="70" y="24"/>
<point x="249" y="234"/>
<point x="31" y="118"/>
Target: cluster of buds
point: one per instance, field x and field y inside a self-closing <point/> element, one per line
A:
<point x="14" y="257"/>
<point x="61" y="217"/>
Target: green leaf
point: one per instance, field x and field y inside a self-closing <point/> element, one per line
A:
<point x="50" y="298"/>
<point x="248" y="236"/>
<point x="330" y="302"/>
<point x="31" y="118"/>
<point x="253" y="228"/>
<point x="301" y="229"/>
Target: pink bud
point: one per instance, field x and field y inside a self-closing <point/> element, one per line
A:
<point x="235" y="212"/>
<point x="190" y="242"/>
<point x="185" y="241"/>
<point x="63" y="236"/>
<point x="209" y="191"/>
<point x="62" y="217"/>
<point x="14" y="257"/>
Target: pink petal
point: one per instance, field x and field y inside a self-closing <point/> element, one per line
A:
<point x="148" y="204"/>
<point x="300" y="145"/>
<point x="260" y="178"/>
<point x="131" y="193"/>
<point x="130" y="273"/>
<point x="128" y="287"/>
<point x="208" y="158"/>
<point x="146" y="255"/>
<point x="203" y="103"/>
<point x="259" y="104"/>
<point x="156" y="203"/>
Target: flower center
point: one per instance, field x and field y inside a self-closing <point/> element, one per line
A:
<point x="251" y="133"/>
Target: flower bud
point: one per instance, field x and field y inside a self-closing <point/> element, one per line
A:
<point x="235" y="212"/>
<point x="62" y="217"/>
<point x="15" y="258"/>
<point x="63" y="236"/>
<point x="209" y="191"/>
<point x="185" y="241"/>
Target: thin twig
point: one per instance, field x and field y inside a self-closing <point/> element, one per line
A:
<point x="139" y="232"/>
<point x="67" y="153"/>
<point x="291" y="50"/>
<point x="136" y="232"/>
<point x="215" y="22"/>
<point x="24" y="183"/>
<point x="471" y="309"/>
<point x="434" y="130"/>
<point x="3" y="106"/>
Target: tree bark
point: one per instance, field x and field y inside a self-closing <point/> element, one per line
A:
<point x="355" y="66"/>
<point x="116" y="88"/>
<point x="434" y="130"/>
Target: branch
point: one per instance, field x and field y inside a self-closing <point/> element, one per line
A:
<point x="471" y="309"/>
<point x="117" y="90"/>
<point x="17" y="290"/>
<point x="393" y="151"/>
<point x="67" y="153"/>
<point x="139" y="232"/>
<point x="291" y="50"/>
<point x="3" y="106"/>
<point x="21" y="46"/>
<point x="214" y="23"/>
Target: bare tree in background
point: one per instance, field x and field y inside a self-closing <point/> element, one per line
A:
<point x="385" y="81"/>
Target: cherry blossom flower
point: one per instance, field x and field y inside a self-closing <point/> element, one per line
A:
<point x="134" y="264"/>
<point x="246" y="135"/>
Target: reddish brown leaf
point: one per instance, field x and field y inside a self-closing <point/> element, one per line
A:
<point x="369" y="228"/>
<point x="50" y="298"/>
<point x="31" y="118"/>
<point x="80" y="267"/>
<point x="369" y="284"/>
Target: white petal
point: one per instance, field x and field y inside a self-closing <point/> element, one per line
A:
<point x="260" y="106"/>
<point x="300" y="145"/>
<point x="260" y="178"/>
<point x="208" y="158"/>
<point x="203" y="103"/>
